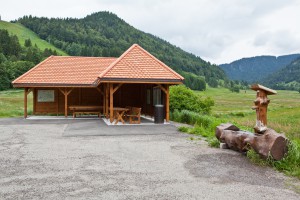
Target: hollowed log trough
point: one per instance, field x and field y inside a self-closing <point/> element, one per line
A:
<point x="270" y="143"/>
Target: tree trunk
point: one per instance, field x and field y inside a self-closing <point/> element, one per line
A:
<point x="270" y="143"/>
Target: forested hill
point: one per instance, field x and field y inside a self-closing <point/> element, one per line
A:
<point x="287" y="78"/>
<point x="105" y="34"/>
<point x="256" y="68"/>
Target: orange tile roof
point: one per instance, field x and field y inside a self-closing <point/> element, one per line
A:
<point x="66" y="70"/>
<point x="136" y="64"/>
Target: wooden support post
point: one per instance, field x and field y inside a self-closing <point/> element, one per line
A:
<point x="111" y="102"/>
<point x="107" y="98"/>
<point x="57" y="101"/>
<point x="66" y="92"/>
<point x="25" y="102"/>
<point x="104" y="99"/>
<point x="167" y="104"/>
<point x="66" y="103"/>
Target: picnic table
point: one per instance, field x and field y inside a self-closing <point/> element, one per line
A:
<point x="119" y="114"/>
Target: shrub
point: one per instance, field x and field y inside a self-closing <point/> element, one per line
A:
<point x="184" y="129"/>
<point x="183" y="98"/>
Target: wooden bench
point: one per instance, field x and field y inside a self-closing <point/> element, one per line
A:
<point x="134" y="115"/>
<point x="76" y="109"/>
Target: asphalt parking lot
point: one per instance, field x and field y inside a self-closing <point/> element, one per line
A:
<point x="86" y="159"/>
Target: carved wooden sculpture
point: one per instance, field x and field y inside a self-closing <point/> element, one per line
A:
<point x="261" y="105"/>
<point x="270" y="143"/>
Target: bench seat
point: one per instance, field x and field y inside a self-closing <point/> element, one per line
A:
<point x="79" y="109"/>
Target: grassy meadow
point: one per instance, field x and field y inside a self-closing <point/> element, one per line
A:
<point x="24" y="33"/>
<point x="283" y="110"/>
<point x="12" y="103"/>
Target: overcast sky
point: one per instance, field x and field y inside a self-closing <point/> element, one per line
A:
<point x="219" y="31"/>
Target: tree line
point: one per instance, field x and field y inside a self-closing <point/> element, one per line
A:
<point x="105" y="34"/>
<point x="15" y="59"/>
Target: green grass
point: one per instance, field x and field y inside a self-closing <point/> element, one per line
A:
<point x="24" y="33"/>
<point x="12" y="103"/>
<point x="283" y="116"/>
<point x="283" y="110"/>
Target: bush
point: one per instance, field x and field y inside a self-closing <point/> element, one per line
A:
<point x="184" y="129"/>
<point x="204" y="125"/>
<point x="183" y="98"/>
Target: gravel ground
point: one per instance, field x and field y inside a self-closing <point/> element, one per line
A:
<point x="85" y="159"/>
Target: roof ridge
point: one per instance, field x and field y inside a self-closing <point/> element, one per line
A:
<point x="116" y="61"/>
<point x="85" y="57"/>
<point x="147" y="53"/>
<point x="161" y="63"/>
<point x="25" y="74"/>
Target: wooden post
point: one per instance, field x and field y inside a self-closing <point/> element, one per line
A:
<point x="25" y="102"/>
<point x="167" y="104"/>
<point x="66" y="92"/>
<point x="111" y="102"/>
<point x="66" y="103"/>
<point x="104" y="98"/>
<point x="107" y="98"/>
<point x="57" y="101"/>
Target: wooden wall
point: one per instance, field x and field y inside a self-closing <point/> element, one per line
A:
<point x="127" y="95"/>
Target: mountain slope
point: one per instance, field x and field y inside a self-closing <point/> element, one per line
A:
<point x="24" y="33"/>
<point x="256" y="68"/>
<point x="286" y="78"/>
<point x="105" y="34"/>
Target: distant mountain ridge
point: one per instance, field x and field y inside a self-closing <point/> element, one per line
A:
<point x="256" y="68"/>
<point x="287" y="78"/>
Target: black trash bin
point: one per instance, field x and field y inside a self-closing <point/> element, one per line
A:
<point x="159" y="115"/>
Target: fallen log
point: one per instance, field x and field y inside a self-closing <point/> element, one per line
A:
<point x="226" y="126"/>
<point x="270" y="143"/>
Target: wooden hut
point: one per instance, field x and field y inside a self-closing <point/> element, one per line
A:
<point x="136" y="79"/>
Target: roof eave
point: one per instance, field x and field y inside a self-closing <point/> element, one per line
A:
<point x="135" y="80"/>
<point x="25" y="85"/>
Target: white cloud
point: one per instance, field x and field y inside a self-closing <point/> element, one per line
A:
<point x="217" y="30"/>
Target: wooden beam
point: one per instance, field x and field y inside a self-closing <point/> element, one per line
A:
<point x="162" y="88"/>
<point x="117" y="87"/>
<point x="99" y="90"/>
<point x="111" y="103"/>
<point x="25" y="102"/>
<point x="29" y="90"/>
<point x="167" y="104"/>
<point x="142" y="82"/>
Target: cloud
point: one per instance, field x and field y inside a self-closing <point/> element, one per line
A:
<point x="217" y="30"/>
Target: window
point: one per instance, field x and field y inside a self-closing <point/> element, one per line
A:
<point x="156" y="96"/>
<point x="45" y="96"/>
